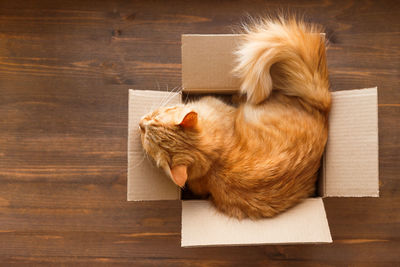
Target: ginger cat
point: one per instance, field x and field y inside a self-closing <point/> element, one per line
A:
<point x="260" y="158"/>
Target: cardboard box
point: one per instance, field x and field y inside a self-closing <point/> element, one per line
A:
<point x="350" y="163"/>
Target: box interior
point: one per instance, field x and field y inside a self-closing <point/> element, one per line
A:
<point x="350" y="163"/>
<point x="348" y="171"/>
<point x="146" y="182"/>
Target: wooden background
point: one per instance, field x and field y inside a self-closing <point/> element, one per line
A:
<point x="65" y="70"/>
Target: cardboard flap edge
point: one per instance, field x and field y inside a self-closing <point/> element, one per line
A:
<point x="144" y="181"/>
<point x="351" y="160"/>
<point x="203" y="225"/>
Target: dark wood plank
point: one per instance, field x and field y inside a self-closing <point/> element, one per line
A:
<point x="65" y="67"/>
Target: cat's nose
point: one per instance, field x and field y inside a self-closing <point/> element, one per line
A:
<point x="141" y="126"/>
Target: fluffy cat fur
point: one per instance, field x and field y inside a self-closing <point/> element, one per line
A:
<point x="262" y="157"/>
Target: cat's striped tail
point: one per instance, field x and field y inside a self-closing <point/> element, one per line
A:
<point x="286" y="55"/>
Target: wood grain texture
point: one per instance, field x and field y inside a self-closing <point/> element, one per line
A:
<point x="65" y="70"/>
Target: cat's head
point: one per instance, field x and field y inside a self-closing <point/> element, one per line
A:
<point x="170" y="136"/>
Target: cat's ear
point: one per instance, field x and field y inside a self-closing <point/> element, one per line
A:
<point x="189" y="121"/>
<point x="178" y="174"/>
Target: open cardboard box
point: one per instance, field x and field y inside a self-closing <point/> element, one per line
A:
<point x="349" y="169"/>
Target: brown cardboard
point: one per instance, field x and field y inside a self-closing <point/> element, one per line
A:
<point x="351" y="156"/>
<point x="350" y="165"/>
<point x="203" y="225"/>
<point x="207" y="62"/>
<point x="145" y="181"/>
<point x="303" y="224"/>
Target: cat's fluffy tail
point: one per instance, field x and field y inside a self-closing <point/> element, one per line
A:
<point x="286" y="55"/>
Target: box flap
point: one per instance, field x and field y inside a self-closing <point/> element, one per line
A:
<point x="146" y="182"/>
<point x="207" y="63"/>
<point x="351" y="157"/>
<point x="203" y="225"/>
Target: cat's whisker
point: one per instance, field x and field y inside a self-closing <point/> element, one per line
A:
<point x="167" y="98"/>
<point x="153" y="104"/>
<point x="186" y="99"/>
<point x="164" y="99"/>
<point x="141" y="160"/>
<point x="147" y="156"/>
<point x="152" y="107"/>
<point x="162" y="102"/>
<point x="170" y="96"/>
<point x="173" y="93"/>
